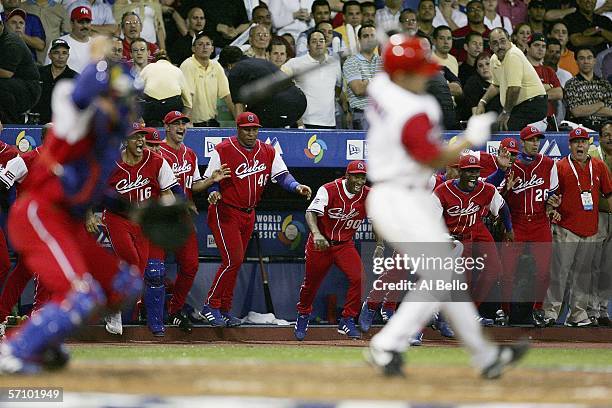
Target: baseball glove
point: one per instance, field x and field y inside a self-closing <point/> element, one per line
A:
<point x="165" y="225"/>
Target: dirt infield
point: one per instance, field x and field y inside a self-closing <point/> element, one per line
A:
<point x="326" y="382"/>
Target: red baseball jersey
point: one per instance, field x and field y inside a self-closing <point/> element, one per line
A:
<point x="17" y="168"/>
<point x="144" y="180"/>
<point x="488" y="163"/>
<point x="533" y="183"/>
<point x="463" y="210"/>
<point x="437" y="180"/>
<point x="7" y="152"/>
<point x="340" y="213"/>
<point x="251" y="170"/>
<point x="184" y="164"/>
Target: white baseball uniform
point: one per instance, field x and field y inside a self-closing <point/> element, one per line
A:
<point x="404" y="134"/>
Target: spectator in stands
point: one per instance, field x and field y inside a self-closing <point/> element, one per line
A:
<point x="225" y="20"/>
<point x="515" y="10"/>
<point x="352" y="23"/>
<point x="568" y="59"/>
<point x="448" y="14"/>
<point x="16" y="23"/>
<point x="103" y="21"/>
<point x="368" y="12"/>
<point x="602" y="259"/>
<point x="165" y="90"/>
<point x="475" y="15"/>
<point x="603" y="64"/>
<point x="321" y="86"/>
<point x="278" y="51"/>
<point x="535" y="16"/>
<point x="357" y="72"/>
<point x="587" y="29"/>
<point x="408" y="21"/>
<point x="320" y="11"/>
<point x="181" y="49"/>
<point x="551" y="59"/>
<point x="79" y="39"/>
<point x="50" y="74"/>
<point x="174" y="24"/>
<point x="131" y="28"/>
<point x="387" y="18"/>
<point x="521" y="92"/>
<point x="554" y="93"/>
<point x="261" y="15"/>
<point x="582" y="181"/>
<point x="477" y="85"/>
<point x="151" y="18"/>
<point x="19" y="86"/>
<point x="208" y="83"/>
<point x="291" y="41"/>
<point x="589" y="98"/>
<point x="425" y="15"/>
<point x="520" y="38"/>
<point x="281" y="110"/>
<point x="334" y="44"/>
<point x="492" y="19"/>
<point x="443" y="43"/>
<point x="54" y="20"/>
<point x="259" y="41"/>
<point x="32" y="33"/>
<point x="290" y="16"/>
<point x="474" y="46"/>
<point x="116" y="53"/>
<point x="140" y="55"/>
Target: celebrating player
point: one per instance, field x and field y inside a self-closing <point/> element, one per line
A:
<point x="231" y="216"/>
<point x="333" y="216"/>
<point x="404" y="148"/>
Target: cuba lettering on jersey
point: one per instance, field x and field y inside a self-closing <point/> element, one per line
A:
<point x="251" y="170"/>
<point x="184" y="164"/>
<point x="463" y="210"/>
<point x="144" y="180"/>
<point x="534" y="181"/>
<point x="340" y="213"/>
<point x="17" y="168"/>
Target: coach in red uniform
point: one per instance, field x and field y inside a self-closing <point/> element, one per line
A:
<point x="231" y="216"/>
<point x="333" y="216"/>
<point x="582" y="179"/>
<point x="534" y="177"/>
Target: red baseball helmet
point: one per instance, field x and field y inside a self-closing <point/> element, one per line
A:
<point x="410" y="55"/>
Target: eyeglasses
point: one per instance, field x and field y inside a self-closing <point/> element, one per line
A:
<point x="130" y="23"/>
<point x="409" y="20"/>
<point x="262" y="35"/>
<point x="139" y="49"/>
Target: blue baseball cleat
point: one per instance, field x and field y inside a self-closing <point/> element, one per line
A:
<point x="230" y="321"/>
<point x="346" y="326"/>
<point x="213" y="316"/>
<point x="301" y="326"/>
<point x="11" y="364"/>
<point x="366" y="317"/>
<point x="442" y="326"/>
<point x="484" y="322"/>
<point x="386" y="314"/>
<point x="417" y="340"/>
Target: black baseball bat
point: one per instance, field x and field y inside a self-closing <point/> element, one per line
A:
<point x="264" y="276"/>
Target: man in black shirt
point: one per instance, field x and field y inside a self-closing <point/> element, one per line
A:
<point x="587" y="29"/>
<point x="225" y="20"/>
<point x="50" y="75"/>
<point x="19" y="87"/>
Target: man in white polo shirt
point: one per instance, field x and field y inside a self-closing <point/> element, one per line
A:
<point x="320" y="86"/>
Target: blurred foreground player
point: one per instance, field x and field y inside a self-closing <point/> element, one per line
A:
<point x="404" y="148"/>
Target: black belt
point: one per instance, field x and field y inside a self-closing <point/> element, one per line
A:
<point x="247" y="210"/>
<point x="533" y="99"/>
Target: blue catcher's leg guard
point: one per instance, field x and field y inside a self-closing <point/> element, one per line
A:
<point x="127" y="285"/>
<point x="50" y="326"/>
<point x="155" y="294"/>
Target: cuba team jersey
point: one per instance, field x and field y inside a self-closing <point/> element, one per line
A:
<point x="487" y="161"/>
<point x="144" y="180"/>
<point x="184" y="164"/>
<point x="17" y="168"/>
<point x="340" y="213"/>
<point x="463" y="210"/>
<point x="534" y="181"/>
<point x="251" y="170"/>
<point x="7" y="152"/>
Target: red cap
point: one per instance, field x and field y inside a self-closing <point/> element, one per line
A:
<point x="81" y="13"/>
<point x="469" y="162"/>
<point x="510" y="144"/>
<point x="152" y="136"/>
<point x="409" y="54"/>
<point x="173" y="116"/>
<point x="356" y="167"/>
<point x="455" y="163"/>
<point x="137" y="127"/>
<point x="579" y="133"/>
<point x="529" y="132"/>
<point x="16" y="12"/>
<point x="247" y="119"/>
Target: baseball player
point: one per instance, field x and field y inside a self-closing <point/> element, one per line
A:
<point x="231" y="216"/>
<point x="46" y="222"/>
<point x="7" y="152"/>
<point x="333" y="216"/>
<point x="491" y="163"/>
<point x="404" y="148"/>
<point x="532" y="179"/>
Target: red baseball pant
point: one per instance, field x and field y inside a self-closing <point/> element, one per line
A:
<point x="385" y="298"/>
<point x="232" y="229"/>
<point x="5" y="262"/>
<point x="127" y="240"/>
<point x="188" y="263"/>
<point x="345" y="257"/>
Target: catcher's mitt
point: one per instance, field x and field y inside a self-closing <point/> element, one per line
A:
<point x="166" y="225"/>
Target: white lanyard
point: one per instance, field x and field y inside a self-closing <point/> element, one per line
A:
<point x="576" y="173"/>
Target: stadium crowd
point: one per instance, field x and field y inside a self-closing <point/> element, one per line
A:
<point x="535" y="63"/>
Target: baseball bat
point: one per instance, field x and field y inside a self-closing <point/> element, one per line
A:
<point x="264" y="276"/>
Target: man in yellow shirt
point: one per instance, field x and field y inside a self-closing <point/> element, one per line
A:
<point x="207" y="81"/>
